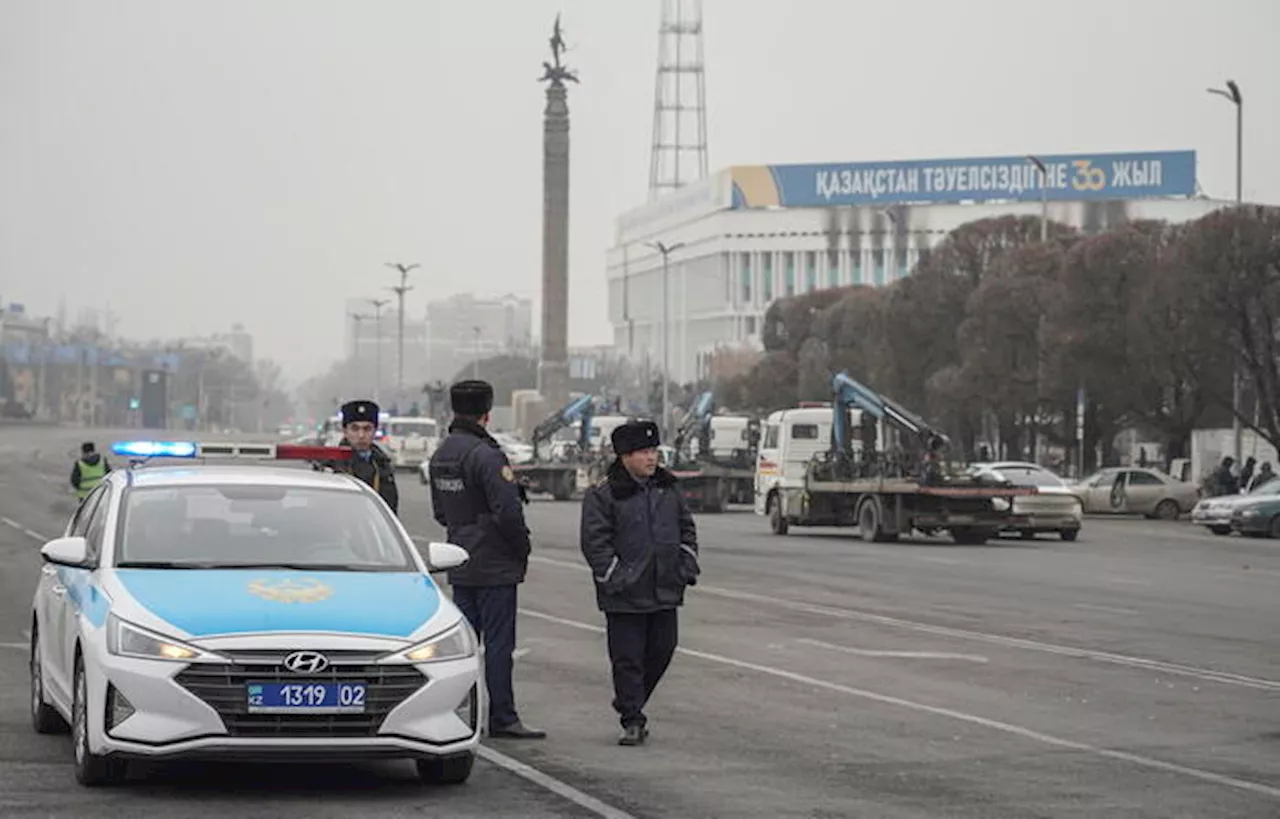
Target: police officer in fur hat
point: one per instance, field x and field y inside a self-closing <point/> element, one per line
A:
<point x="475" y="496"/>
<point x="639" y="538"/>
<point x="368" y="462"/>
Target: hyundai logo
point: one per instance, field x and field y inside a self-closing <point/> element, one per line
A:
<point x="306" y="662"/>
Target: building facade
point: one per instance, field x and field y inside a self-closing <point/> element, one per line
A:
<point x="749" y="235"/>
<point x="465" y="328"/>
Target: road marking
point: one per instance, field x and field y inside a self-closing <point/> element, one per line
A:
<point x="11" y="522"/>
<point x="556" y="786"/>
<point x="973" y="719"/>
<point x="1209" y="674"/>
<point x="519" y="652"/>
<point x="559" y="788"/>
<point x="1105" y="609"/>
<point x="906" y="655"/>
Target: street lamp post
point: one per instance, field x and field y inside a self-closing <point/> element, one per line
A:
<point x="666" y="250"/>
<point x="378" y="304"/>
<point x="1044" y="197"/>
<point x="475" y="361"/>
<point x="358" y="318"/>
<point x="400" y="291"/>
<point x="1232" y="94"/>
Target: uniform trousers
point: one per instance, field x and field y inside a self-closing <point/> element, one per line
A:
<point x="491" y="610"/>
<point x="640" y="649"/>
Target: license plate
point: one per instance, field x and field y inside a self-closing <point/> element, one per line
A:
<point x="306" y="698"/>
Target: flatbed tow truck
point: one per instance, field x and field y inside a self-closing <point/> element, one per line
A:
<point x="709" y="482"/>
<point x="873" y="487"/>
<point x="558" y="476"/>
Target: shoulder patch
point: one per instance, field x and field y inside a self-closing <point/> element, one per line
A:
<point x="508" y="474"/>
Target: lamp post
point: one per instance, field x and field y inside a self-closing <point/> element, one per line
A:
<point x="400" y="291"/>
<point x="1232" y="94"/>
<point x="475" y="361"/>
<point x="378" y="304"/>
<point x="665" y="250"/>
<point x="1044" y="196"/>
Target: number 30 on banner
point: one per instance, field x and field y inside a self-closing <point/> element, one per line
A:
<point x="1088" y="178"/>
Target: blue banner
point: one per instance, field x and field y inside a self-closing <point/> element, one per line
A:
<point x="1071" y="177"/>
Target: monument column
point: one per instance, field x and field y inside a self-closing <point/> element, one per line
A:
<point x="553" y="368"/>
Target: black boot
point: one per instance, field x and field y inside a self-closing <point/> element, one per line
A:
<point x="633" y="734"/>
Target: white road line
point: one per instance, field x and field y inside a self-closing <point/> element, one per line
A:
<point x="515" y="766"/>
<point x="519" y="652"/>
<point x="1208" y="674"/>
<point x="973" y="719"/>
<point x="33" y="535"/>
<point x="1105" y="609"/>
<point x="905" y="655"/>
<point x="11" y="522"/>
<point x="559" y="788"/>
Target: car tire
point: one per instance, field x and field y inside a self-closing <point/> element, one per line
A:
<point x="1273" y="530"/>
<point x="1167" y="509"/>
<point x="45" y="719"/>
<point x="92" y="770"/>
<point x="449" y="770"/>
<point x="1069" y="535"/>
<point x="1220" y="530"/>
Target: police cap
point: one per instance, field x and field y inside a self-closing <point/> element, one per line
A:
<point x="354" y="412"/>
<point x="471" y="398"/>
<point x="633" y="436"/>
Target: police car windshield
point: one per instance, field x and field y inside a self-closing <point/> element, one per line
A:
<point x="237" y="526"/>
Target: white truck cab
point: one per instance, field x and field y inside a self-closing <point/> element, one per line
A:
<point x="789" y="440"/>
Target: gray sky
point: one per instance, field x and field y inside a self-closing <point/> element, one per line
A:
<point x="197" y="164"/>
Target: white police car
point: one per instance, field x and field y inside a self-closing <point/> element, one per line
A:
<point x="245" y="611"/>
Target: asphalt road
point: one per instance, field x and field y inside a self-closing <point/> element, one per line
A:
<point x="1134" y="673"/>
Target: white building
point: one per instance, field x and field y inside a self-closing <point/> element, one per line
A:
<point x="749" y="235"/>
<point x="464" y="328"/>
<point x="238" y="342"/>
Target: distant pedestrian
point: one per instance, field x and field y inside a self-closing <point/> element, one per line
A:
<point x="639" y="538"/>
<point x="1224" y="480"/>
<point x="88" y="470"/>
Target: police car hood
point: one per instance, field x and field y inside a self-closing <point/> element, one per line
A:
<point x="202" y="604"/>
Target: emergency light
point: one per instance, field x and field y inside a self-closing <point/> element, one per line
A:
<point x="229" y="451"/>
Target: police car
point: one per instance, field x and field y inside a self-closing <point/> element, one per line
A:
<point x="248" y="611"/>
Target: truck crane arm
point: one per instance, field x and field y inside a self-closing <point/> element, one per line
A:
<point x="580" y="409"/>
<point x="851" y="393"/>
<point x="696" y="422"/>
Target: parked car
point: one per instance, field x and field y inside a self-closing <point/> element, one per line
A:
<point x="1257" y="517"/>
<point x="1215" y="513"/>
<point x="1131" y="490"/>
<point x="1053" y="509"/>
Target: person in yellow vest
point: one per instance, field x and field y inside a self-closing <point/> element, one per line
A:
<point x="88" y="471"/>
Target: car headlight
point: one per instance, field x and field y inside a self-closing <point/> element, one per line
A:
<point x="127" y="640"/>
<point x="1252" y="513"/>
<point x="456" y="643"/>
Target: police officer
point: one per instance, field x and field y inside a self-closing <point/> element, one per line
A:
<point x="639" y="538"/>
<point x="88" y="471"/>
<point x="475" y="496"/>
<point x="368" y="462"/>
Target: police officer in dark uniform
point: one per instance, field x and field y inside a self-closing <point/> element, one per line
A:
<point x="639" y="538"/>
<point x="475" y="496"/>
<point x="368" y="462"/>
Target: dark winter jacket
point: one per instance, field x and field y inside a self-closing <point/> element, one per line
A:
<point x="640" y="542"/>
<point x="475" y="496"/>
<point x="377" y="471"/>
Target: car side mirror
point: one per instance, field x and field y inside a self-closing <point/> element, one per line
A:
<point x="442" y="556"/>
<point x="66" y="551"/>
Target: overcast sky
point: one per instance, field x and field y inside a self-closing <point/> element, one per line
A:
<point x="196" y="164"/>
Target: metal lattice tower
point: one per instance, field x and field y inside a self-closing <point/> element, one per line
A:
<point x="679" y="152"/>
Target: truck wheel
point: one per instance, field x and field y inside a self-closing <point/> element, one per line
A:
<point x="717" y="496"/>
<point x="869" y="527"/>
<point x="777" y="522"/>
<point x="563" y="487"/>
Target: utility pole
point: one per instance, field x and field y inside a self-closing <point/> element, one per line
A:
<point x="1044" y="197"/>
<point x="666" y="250"/>
<point x="1232" y="93"/>
<point x="378" y="304"/>
<point x="475" y="361"/>
<point x="400" y="291"/>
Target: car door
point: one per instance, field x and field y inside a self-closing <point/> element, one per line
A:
<point x="1099" y="492"/>
<point x="57" y="602"/>
<point x="1144" y="490"/>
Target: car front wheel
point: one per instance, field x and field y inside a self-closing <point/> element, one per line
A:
<point x="92" y="770"/>
<point x="45" y="719"/>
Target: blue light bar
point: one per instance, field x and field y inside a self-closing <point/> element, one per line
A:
<point x="155" y="449"/>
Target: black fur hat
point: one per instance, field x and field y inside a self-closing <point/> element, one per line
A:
<point x="633" y="436"/>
